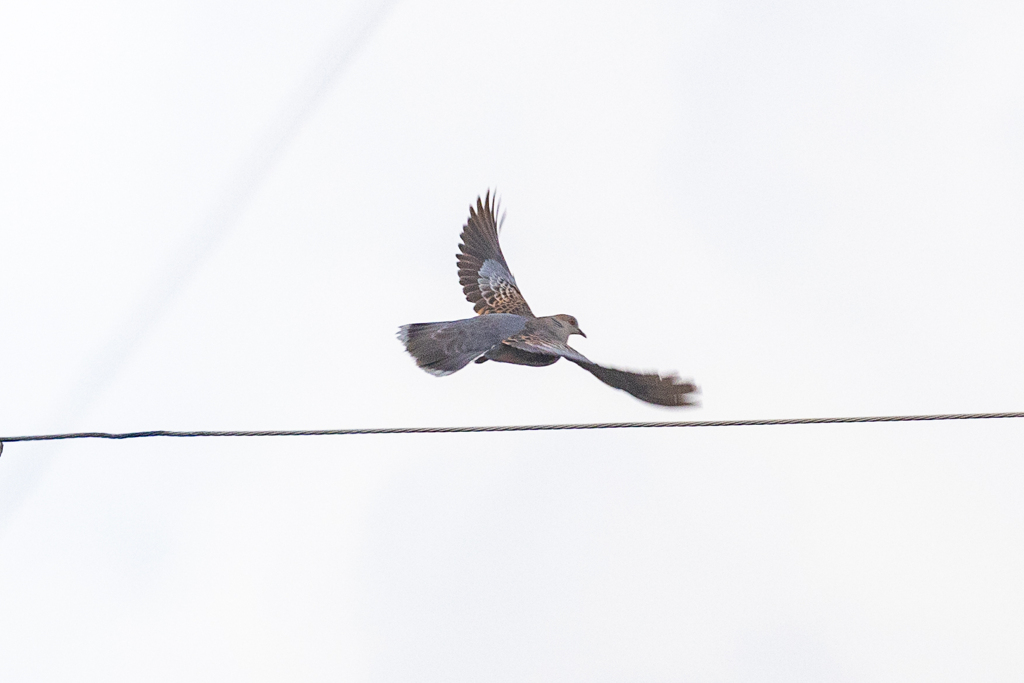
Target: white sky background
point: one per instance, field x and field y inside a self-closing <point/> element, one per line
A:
<point x="810" y="208"/>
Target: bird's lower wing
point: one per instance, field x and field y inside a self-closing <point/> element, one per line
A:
<point x="663" y="390"/>
<point x="652" y="387"/>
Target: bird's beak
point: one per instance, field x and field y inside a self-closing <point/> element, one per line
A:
<point x="581" y="333"/>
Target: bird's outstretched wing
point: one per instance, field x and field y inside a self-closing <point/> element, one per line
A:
<point x="483" y="272"/>
<point x="663" y="390"/>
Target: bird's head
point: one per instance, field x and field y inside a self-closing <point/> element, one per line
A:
<point x="568" y="324"/>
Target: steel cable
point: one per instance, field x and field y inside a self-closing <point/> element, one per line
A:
<point x="515" y="428"/>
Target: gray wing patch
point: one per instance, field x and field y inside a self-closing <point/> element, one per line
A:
<point x="499" y="290"/>
<point x="446" y="347"/>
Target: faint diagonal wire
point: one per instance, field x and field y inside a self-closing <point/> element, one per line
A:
<point x="520" y="428"/>
<point x="229" y="205"/>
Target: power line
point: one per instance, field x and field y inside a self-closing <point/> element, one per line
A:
<point x="518" y="428"/>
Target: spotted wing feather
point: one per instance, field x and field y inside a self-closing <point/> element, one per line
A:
<point x="483" y="272"/>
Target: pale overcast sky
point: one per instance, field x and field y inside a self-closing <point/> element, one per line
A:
<point x="215" y="215"/>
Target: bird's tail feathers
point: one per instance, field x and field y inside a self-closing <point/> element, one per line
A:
<point x="446" y="347"/>
<point x="420" y="341"/>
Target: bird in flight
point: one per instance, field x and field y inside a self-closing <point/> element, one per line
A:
<point x="506" y="330"/>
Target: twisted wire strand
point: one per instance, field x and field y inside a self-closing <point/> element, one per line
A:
<point x="516" y="428"/>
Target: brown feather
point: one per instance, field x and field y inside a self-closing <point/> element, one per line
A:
<point x="489" y="292"/>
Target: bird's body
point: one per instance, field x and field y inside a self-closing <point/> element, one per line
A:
<point x="509" y="351"/>
<point x="507" y="331"/>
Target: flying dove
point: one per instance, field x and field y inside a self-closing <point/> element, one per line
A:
<point x="506" y="330"/>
